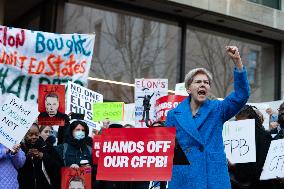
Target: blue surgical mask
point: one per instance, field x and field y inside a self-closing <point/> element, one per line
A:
<point x="79" y="135"/>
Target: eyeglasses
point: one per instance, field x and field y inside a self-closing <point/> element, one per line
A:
<point x="206" y="82"/>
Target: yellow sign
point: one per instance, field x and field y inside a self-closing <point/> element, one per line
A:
<point x="114" y="111"/>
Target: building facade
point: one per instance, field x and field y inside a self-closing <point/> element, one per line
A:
<point x="165" y="39"/>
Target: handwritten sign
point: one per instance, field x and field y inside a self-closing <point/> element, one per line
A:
<point x="147" y="91"/>
<point x="81" y="100"/>
<point x="166" y="103"/>
<point x="29" y="58"/>
<point x="180" y="89"/>
<point x="134" y="154"/>
<point x="114" y="111"/>
<point x="16" y="117"/>
<point x="239" y="141"/>
<point x="274" y="163"/>
<point x="76" y="178"/>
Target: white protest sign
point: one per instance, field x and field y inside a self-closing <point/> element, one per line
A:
<point x="274" y="163"/>
<point x="81" y="100"/>
<point x="274" y="105"/>
<point x="239" y="141"/>
<point x="147" y="91"/>
<point x="29" y="58"/>
<point x="180" y="89"/>
<point x="129" y="114"/>
<point x="16" y="117"/>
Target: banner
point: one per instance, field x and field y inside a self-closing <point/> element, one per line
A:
<point x="96" y="148"/>
<point x="76" y="178"/>
<point x="274" y="163"/>
<point x="114" y="111"/>
<point x="147" y="91"/>
<point x="239" y="140"/>
<point x="16" y="118"/>
<point x="136" y="154"/>
<point x="29" y="58"/>
<point x="51" y="105"/>
<point x="81" y="100"/>
<point x="166" y="103"/>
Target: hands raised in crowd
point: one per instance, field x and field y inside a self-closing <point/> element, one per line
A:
<point x="233" y="52"/>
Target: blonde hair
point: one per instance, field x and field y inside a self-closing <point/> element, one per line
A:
<point x="190" y="75"/>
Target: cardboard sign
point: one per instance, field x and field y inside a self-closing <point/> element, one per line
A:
<point x="239" y="141"/>
<point x="136" y="154"/>
<point x="96" y="148"/>
<point x="274" y="163"/>
<point x="51" y="104"/>
<point x="30" y="58"/>
<point x="16" y="117"/>
<point x="147" y="91"/>
<point x="180" y="89"/>
<point x="76" y="178"/>
<point x="166" y="103"/>
<point x="114" y="111"/>
<point x="81" y="100"/>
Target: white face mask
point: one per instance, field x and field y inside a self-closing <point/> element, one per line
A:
<point x="79" y="135"/>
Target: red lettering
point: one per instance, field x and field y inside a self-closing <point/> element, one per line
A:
<point x="40" y="67"/>
<point x="83" y="63"/>
<point x="57" y="63"/>
<point x="5" y="36"/>
<point x="31" y="66"/>
<point x="49" y="62"/>
<point x="70" y="64"/>
<point x="3" y="57"/>
<point x="23" y="59"/>
<point x="11" y="40"/>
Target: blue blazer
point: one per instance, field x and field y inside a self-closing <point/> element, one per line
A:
<point x="200" y="137"/>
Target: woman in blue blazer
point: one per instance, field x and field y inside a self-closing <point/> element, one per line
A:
<point x="199" y="123"/>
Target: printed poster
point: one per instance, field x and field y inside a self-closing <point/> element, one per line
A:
<point x="147" y="91"/>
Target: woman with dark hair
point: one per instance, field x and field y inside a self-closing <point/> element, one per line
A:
<point x="42" y="167"/>
<point x="246" y="175"/>
<point x="77" y="148"/>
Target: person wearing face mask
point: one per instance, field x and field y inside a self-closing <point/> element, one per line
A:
<point x="199" y="123"/>
<point x="76" y="149"/>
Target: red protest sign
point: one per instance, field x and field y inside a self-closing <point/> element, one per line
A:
<point x="51" y="104"/>
<point x="136" y="154"/>
<point x="166" y="103"/>
<point x="76" y="178"/>
<point x="96" y="148"/>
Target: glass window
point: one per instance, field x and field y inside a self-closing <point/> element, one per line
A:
<point x="207" y="49"/>
<point x="126" y="48"/>
<point x="276" y="4"/>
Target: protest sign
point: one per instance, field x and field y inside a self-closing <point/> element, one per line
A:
<point x="96" y="148"/>
<point x="16" y="117"/>
<point x="136" y="154"/>
<point x="51" y="104"/>
<point x="180" y="89"/>
<point x="239" y="141"/>
<point x="274" y="105"/>
<point x="29" y="58"/>
<point x="114" y="111"/>
<point x="76" y="178"/>
<point x="147" y="91"/>
<point x="81" y="100"/>
<point x="274" y="163"/>
<point x="166" y="103"/>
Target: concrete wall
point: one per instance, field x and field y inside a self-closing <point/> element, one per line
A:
<point x="2" y="3"/>
<point x="241" y="9"/>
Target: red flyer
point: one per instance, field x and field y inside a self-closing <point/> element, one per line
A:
<point x="166" y="103"/>
<point x="136" y="154"/>
<point x="51" y="105"/>
<point x="76" y="178"/>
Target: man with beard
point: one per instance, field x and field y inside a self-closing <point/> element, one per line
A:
<point x="199" y="123"/>
<point x="279" y="130"/>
